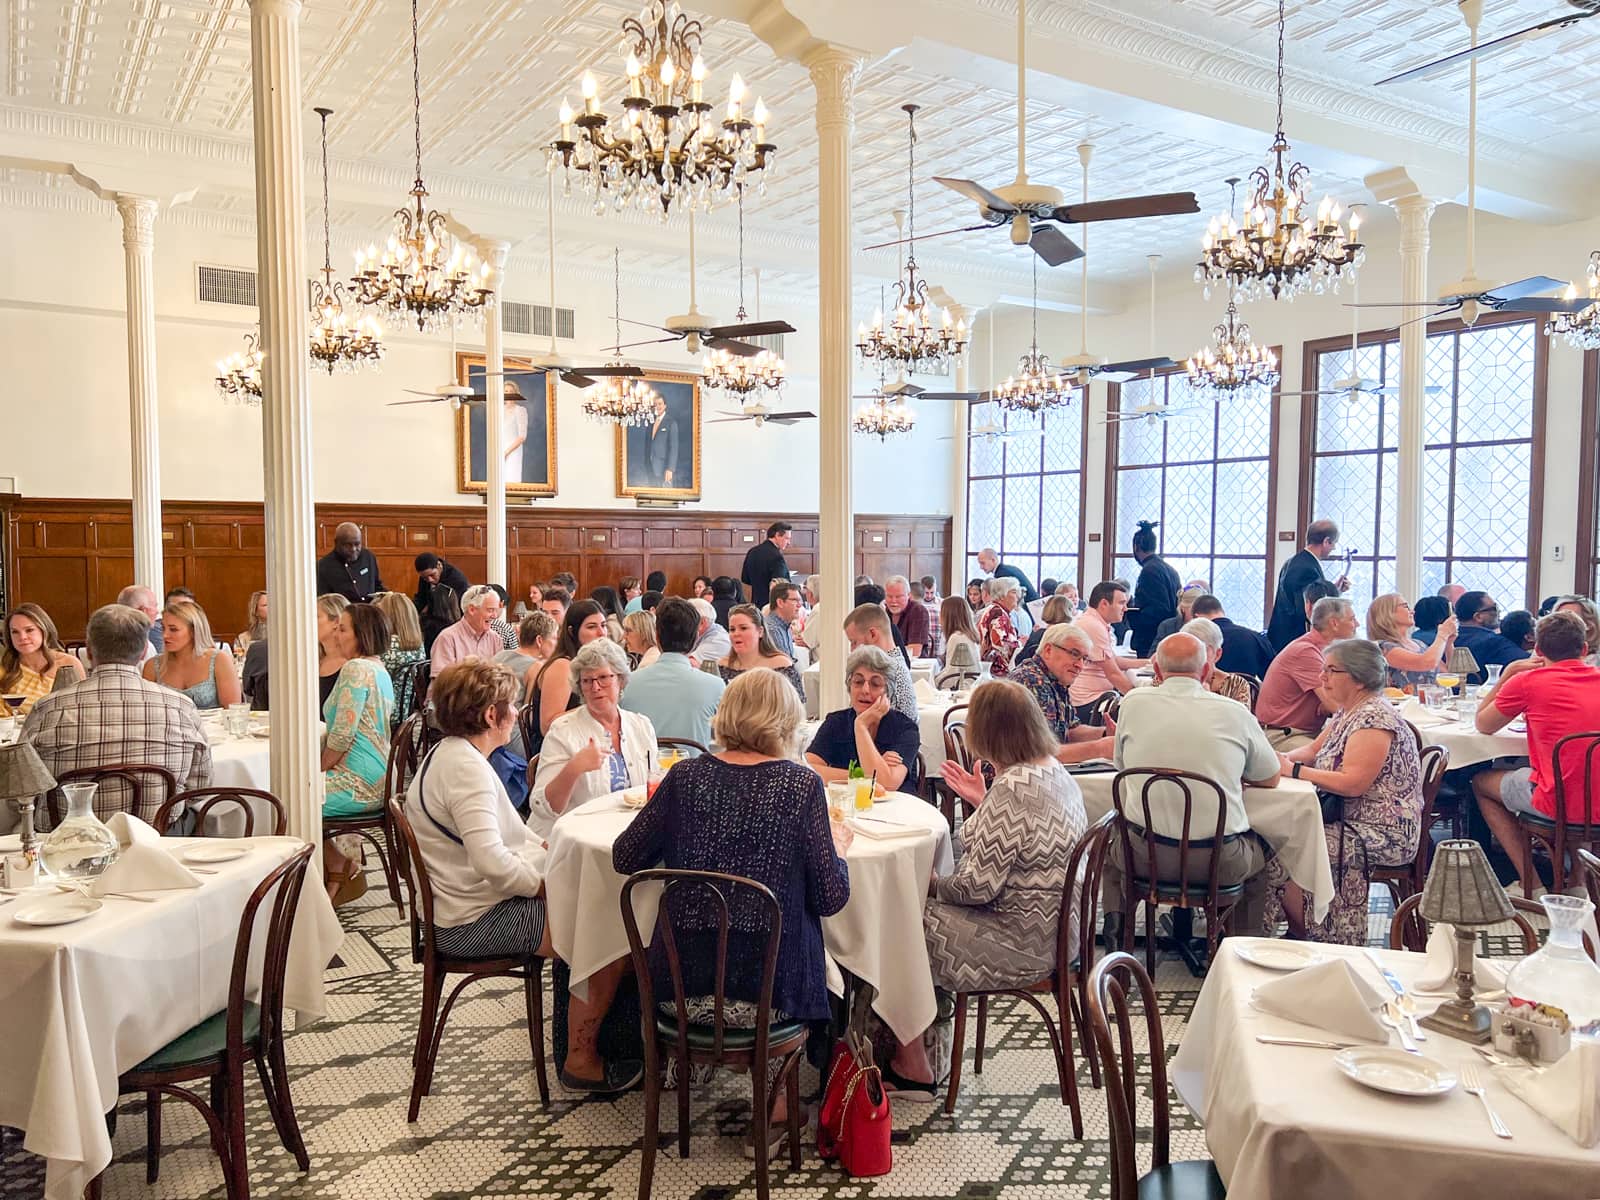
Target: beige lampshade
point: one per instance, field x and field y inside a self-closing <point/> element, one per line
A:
<point x="1461" y="887"/>
<point x="22" y="772"/>
<point x="1462" y="663"/>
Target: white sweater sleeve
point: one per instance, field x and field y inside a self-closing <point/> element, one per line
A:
<point x="472" y="795"/>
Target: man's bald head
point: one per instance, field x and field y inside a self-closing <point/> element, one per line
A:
<point x="1181" y="654"/>
<point x="347" y="541"/>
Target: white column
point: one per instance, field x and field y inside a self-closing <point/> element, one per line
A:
<point x="494" y="253"/>
<point x="1414" y="211"/>
<point x="833" y="75"/>
<point x="138" y="243"/>
<point x="286" y="412"/>
<point x="956" y="584"/>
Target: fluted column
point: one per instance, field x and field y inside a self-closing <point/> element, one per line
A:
<point x="833" y="75"/>
<point x="494" y="253"/>
<point x="958" y="471"/>
<point x="286" y="412"/>
<point x="138" y="247"/>
<point x="1414" y="212"/>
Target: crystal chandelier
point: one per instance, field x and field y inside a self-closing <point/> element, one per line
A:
<point x="339" y="341"/>
<point x="617" y="400"/>
<point x="883" y="415"/>
<point x="1036" y="385"/>
<point x="422" y="274"/>
<point x="1280" y="249"/>
<point x="1232" y="361"/>
<point x="239" y="375"/>
<point x="666" y="146"/>
<point x="1582" y="328"/>
<point x="743" y="375"/>
<point x="919" y="337"/>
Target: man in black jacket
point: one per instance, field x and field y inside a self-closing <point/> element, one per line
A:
<point x="1244" y="651"/>
<point x="1155" y="595"/>
<point x="432" y="569"/>
<point x="349" y="569"/>
<point x="765" y="562"/>
<point x="1305" y="568"/>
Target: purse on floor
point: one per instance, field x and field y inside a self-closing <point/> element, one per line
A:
<point x="854" y="1123"/>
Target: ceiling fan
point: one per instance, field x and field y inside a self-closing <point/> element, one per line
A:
<point x="993" y="431"/>
<point x="1585" y="10"/>
<point x="1154" y="414"/>
<point x="761" y="415"/>
<point x="695" y="330"/>
<point x="1027" y="209"/>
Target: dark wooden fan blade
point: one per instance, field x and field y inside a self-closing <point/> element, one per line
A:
<point x="791" y="418"/>
<point x="902" y="388"/>
<point x="923" y="237"/>
<point x="1121" y="372"/>
<point x="750" y="329"/>
<point x="648" y="325"/>
<point x="1530" y="286"/>
<point x="1543" y="304"/>
<point x="1165" y="204"/>
<point x="1397" y="304"/>
<point x="977" y="193"/>
<point x="677" y="337"/>
<point x="725" y="420"/>
<point x="576" y="379"/>
<point x="731" y="345"/>
<point x="972" y="396"/>
<point x="624" y="371"/>
<point x="1055" y="247"/>
<point x="430" y="400"/>
<point x="1489" y="47"/>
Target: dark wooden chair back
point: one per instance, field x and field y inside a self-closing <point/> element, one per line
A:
<point x="1577" y="817"/>
<point x="139" y="789"/>
<point x="1106" y="704"/>
<point x="1590" y="866"/>
<point x="411" y="741"/>
<point x="528" y="728"/>
<point x="202" y="800"/>
<point x="686" y="746"/>
<point x="1143" y="783"/>
<point x="1416" y="734"/>
<point x="411" y="684"/>
<point x="1408" y="930"/>
<point x="955" y="736"/>
<point x="1081" y="895"/>
<point x="414" y="872"/>
<point x="280" y="891"/>
<point x="1111" y="984"/>
<point x="1255" y="689"/>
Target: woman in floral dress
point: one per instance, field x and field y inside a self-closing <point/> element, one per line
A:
<point x="997" y="633"/>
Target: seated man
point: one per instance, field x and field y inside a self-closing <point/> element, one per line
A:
<point x="1290" y="707"/>
<point x="783" y="608"/>
<point x="711" y="640"/>
<point x="1179" y="723"/>
<point x="868" y="625"/>
<point x="1560" y="694"/>
<point x="1048" y="676"/>
<point x="1244" y="651"/>
<point x="1479" y="632"/>
<point x="474" y="634"/>
<point x="116" y="716"/>
<point x="1103" y="670"/>
<point x="679" y="699"/>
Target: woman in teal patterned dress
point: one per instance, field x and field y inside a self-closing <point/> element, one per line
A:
<point x="355" y="750"/>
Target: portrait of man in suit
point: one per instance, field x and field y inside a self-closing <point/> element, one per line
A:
<point x="661" y="456"/>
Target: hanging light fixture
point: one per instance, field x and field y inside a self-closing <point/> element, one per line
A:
<point x="616" y="399"/>
<point x="340" y="340"/>
<point x="666" y="147"/>
<point x="1280" y="248"/>
<point x="885" y="413"/>
<point x="239" y="375"/>
<point x="919" y="338"/>
<point x="1582" y="328"/>
<point x="1233" y="361"/>
<point x="743" y="375"/>
<point x="422" y="273"/>
<point x="1036" y="385"/>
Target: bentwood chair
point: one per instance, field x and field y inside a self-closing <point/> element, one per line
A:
<point x="1068" y="982"/>
<point x="956" y="751"/>
<point x="411" y="688"/>
<point x="1106" y="704"/>
<point x="217" y="1049"/>
<point x="716" y="1043"/>
<point x="201" y="802"/>
<point x="1589" y="865"/>
<point x="437" y="967"/>
<point x="1408" y="930"/>
<point x="1112" y="984"/>
<point x="686" y="746"/>
<point x="1407" y="880"/>
<point x="1576" y="823"/>
<point x="1255" y="689"/>
<point x="138" y="789"/>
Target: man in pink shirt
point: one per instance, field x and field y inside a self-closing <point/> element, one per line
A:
<point x="1103" y="671"/>
<point x="471" y="635"/>
<point x="1290" y="708"/>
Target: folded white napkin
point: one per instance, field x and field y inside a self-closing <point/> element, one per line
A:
<point x="926" y="692"/>
<point x="1438" y="975"/>
<point x="1328" y="996"/>
<point x="882" y="828"/>
<point x="144" y="864"/>
<point x="1566" y="1094"/>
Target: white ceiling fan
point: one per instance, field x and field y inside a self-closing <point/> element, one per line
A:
<point x="452" y="393"/>
<point x="1585" y="10"/>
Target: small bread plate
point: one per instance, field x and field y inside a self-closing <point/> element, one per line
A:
<point x="636" y="797"/>
<point x="222" y="851"/>
<point x="1279" y="955"/>
<point x="61" y="908"/>
<point x="1395" y="1071"/>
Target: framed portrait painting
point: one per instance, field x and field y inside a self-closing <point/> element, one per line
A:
<point x="526" y="409"/>
<point x="661" y="458"/>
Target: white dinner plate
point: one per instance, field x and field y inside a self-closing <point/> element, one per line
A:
<point x="1280" y="955"/>
<point x="1395" y="1071"/>
<point x="62" y="908"/>
<point x="223" y="851"/>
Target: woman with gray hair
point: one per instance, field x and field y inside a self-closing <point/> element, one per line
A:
<point x="1224" y="683"/>
<point x="597" y="748"/>
<point x="997" y="630"/>
<point x="1367" y="755"/>
<point x="883" y="740"/>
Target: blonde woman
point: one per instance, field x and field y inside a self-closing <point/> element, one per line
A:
<point x="639" y="638"/>
<point x="33" y="657"/>
<point x="255" y="623"/>
<point x="405" y="646"/>
<point x="1411" y="664"/>
<point x="330" y="658"/>
<point x="190" y="662"/>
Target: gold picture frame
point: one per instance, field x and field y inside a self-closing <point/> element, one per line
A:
<point x="640" y="466"/>
<point x="538" y="422"/>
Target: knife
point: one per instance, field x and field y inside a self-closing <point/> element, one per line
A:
<point x="1294" y="1041"/>
<point x="1406" y="1008"/>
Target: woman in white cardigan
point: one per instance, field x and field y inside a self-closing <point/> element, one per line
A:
<point x="597" y="748"/>
<point x="486" y="870"/>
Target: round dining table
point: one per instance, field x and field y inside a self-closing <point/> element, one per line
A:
<point x="1466" y="745"/>
<point x="877" y="936"/>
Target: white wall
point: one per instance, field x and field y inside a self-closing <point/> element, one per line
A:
<point x="62" y="338"/>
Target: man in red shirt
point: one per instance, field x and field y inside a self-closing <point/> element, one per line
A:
<point x="1560" y="694"/>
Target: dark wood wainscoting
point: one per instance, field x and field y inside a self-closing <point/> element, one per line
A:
<point x="71" y="556"/>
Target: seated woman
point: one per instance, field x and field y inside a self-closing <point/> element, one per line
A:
<point x="883" y="740"/>
<point x="189" y="661"/>
<point x="33" y="659"/>
<point x="639" y="638"/>
<point x="606" y="597"/>
<point x="1412" y="663"/>
<point x="486" y="870"/>
<point x="355" y="750"/>
<point x="595" y="749"/>
<point x="1054" y="611"/>
<point x="1224" y="683"/>
<point x="404" y="651"/>
<point x="255" y="623"/>
<point x="993" y="923"/>
<point x="550" y="689"/>
<point x="1366" y="754"/>
<point x="745" y="810"/>
<point x="752" y="648"/>
<point x="330" y="658"/>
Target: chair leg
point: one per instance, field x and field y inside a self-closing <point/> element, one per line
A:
<point x="1066" y="1068"/>
<point x="759" y="1125"/>
<point x="386" y="860"/>
<point x="652" y="1124"/>
<point x="421" y="1058"/>
<point x="683" y="1106"/>
<point x="983" y="1028"/>
<point x="533" y="986"/>
<point x="1150" y="910"/>
<point x="957" y="1046"/>
<point x="274" y="1072"/>
<point x="238" y="1162"/>
<point x="792" y="1101"/>
<point x="152" y="1136"/>
<point x="1078" y="1001"/>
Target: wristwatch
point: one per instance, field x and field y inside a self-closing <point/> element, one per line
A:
<point x="1294" y="771"/>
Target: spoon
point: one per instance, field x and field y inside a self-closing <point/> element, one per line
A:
<point x="1393" y="1018"/>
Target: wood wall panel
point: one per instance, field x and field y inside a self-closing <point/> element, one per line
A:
<point x="71" y="556"/>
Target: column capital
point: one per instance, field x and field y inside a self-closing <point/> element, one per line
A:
<point x="834" y="72"/>
<point x="138" y="219"/>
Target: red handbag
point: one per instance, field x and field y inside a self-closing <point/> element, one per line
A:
<point x="842" y="1068"/>
<point x="854" y="1124"/>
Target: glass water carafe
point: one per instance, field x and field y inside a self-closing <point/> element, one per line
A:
<point x="82" y="846"/>
<point x="1560" y="973"/>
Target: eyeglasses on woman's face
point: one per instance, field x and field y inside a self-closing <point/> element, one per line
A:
<point x="596" y="682"/>
<point x="1330" y="669"/>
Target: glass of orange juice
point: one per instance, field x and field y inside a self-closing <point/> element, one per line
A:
<point x="1448" y="679"/>
<point x="863" y="795"/>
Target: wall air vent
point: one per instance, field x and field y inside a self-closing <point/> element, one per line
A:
<point x="225" y="285"/>
<point x="534" y="319"/>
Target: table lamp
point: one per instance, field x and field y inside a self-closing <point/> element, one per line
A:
<point x="23" y="778"/>
<point x="1462" y="891"/>
<point x="1463" y="664"/>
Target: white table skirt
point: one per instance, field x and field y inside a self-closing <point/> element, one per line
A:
<point x="87" y="1001"/>
<point x="877" y="936"/>
<point x="1282" y="1121"/>
<point x="1466" y="745"/>
<point x="1287" y="816"/>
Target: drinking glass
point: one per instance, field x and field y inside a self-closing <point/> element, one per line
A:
<point x="1448" y="680"/>
<point x="236" y="719"/>
<point x="653" y="781"/>
<point x="1433" y="698"/>
<point x="863" y="795"/>
<point x="838" y="800"/>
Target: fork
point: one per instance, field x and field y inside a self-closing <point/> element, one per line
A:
<point x="1472" y="1084"/>
<point x="1395" y="1020"/>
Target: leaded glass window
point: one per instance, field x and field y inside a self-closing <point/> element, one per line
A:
<point x="1024" y="477"/>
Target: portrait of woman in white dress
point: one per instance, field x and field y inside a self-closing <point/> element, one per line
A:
<point x="513" y="429"/>
<point x="527" y="427"/>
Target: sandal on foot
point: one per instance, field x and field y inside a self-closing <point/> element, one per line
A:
<point x="913" y="1090"/>
<point x="619" y="1077"/>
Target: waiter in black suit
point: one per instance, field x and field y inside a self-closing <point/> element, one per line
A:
<point x="1300" y="572"/>
<point x="765" y="562"/>
<point x="1155" y="595"/>
<point x="349" y="569"/>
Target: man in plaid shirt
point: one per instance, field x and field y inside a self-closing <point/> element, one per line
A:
<point x="926" y="593"/>
<point x="115" y="716"/>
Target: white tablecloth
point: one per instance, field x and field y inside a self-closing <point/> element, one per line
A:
<point x="1287" y="816"/>
<point x="811" y="679"/>
<point x="85" y="1002"/>
<point x="877" y="936"/>
<point x="1466" y="745"/>
<point x="1283" y="1121"/>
